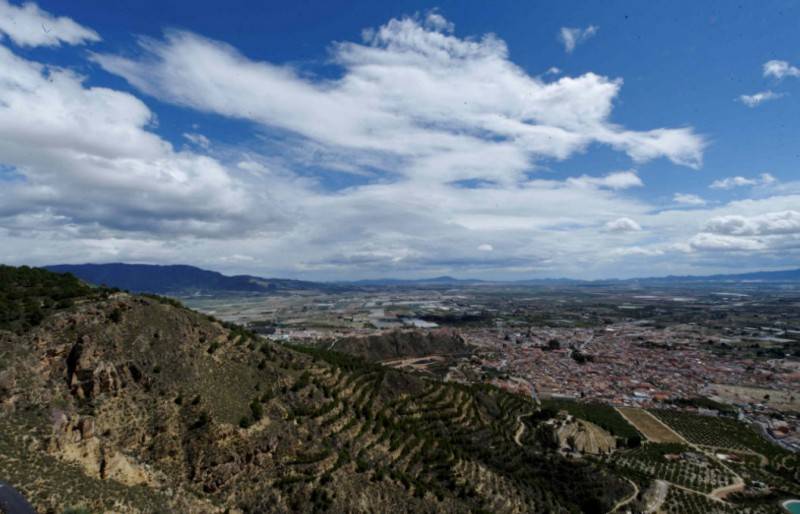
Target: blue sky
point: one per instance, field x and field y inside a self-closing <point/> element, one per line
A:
<point x="326" y="140"/>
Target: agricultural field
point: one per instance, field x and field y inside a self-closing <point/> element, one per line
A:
<point x="602" y="415"/>
<point x="719" y="432"/>
<point x="681" y="501"/>
<point x="776" y="399"/>
<point x="751" y="470"/>
<point x="674" y="463"/>
<point x="654" y="430"/>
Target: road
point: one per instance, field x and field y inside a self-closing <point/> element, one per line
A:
<point x="12" y="502"/>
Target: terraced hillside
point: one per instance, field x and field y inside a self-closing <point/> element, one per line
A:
<point x="404" y="343"/>
<point x="122" y="403"/>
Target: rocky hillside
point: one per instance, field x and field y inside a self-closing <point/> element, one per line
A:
<point x="111" y="402"/>
<point x="578" y="435"/>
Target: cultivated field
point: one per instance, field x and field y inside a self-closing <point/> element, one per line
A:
<point x="719" y="432"/>
<point x="654" y="430"/>
<point x="699" y="473"/>
<point x="779" y="400"/>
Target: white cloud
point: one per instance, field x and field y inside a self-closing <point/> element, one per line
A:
<point x="435" y="21"/>
<point x="472" y="113"/>
<point x="757" y="99"/>
<point x="763" y="179"/>
<point x="197" y="139"/>
<point x="688" y="199"/>
<point x="716" y="242"/>
<point x="771" y="223"/>
<point x="570" y="37"/>
<point x="615" y="180"/>
<point x="780" y="69"/>
<point x="27" y="25"/>
<point x="638" y="251"/>
<point x="768" y="233"/>
<point x="86" y="160"/>
<point x="623" y="225"/>
<point x="93" y="181"/>
<point x="767" y="179"/>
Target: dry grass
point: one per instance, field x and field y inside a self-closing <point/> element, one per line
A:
<point x="654" y="430"/>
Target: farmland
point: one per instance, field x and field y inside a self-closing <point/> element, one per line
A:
<point x="718" y="432"/>
<point x="654" y="430"/>
<point x="674" y="463"/>
<point x="681" y="501"/>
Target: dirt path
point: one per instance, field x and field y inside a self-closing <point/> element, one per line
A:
<point x="521" y="429"/>
<point x="658" y="497"/>
<point x="721" y="492"/>
<point x="627" y="500"/>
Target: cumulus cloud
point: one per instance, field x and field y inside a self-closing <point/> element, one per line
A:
<point x="84" y="158"/>
<point x="28" y="26"/>
<point x="688" y="199"/>
<point x="622" y="225"/>
<point x="757" y="99"/>
<point x="780" y="69"/>
<point x="771" y="223"/>
<point x="764" y="179"/>
<point x="570" y="37"/>
<point x="770" y="233"/>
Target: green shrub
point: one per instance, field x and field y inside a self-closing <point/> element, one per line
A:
<point x="256" y="409"/>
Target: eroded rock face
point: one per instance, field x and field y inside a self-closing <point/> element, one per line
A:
<point x="579" y="435"/>
<point x="73" y="439"/>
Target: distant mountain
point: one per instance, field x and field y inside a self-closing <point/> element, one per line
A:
<point x="756" y="276"/>
<point x="147" y="278"/>
<point x="443" y="280"/>
<point x="183" y="279"/>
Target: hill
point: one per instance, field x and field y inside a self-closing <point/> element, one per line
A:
<point x="404" y="343"/>
<point x="129" y="403"/>
<point x="175" y="279"/>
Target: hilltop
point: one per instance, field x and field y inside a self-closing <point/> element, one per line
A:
<point x="131" y="403"/>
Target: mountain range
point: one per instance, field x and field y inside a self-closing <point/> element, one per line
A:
<point x="183" y="279"/>
<point x="147" y="278"/>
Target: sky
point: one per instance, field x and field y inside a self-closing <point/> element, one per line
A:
<point x="334" y="140"/>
